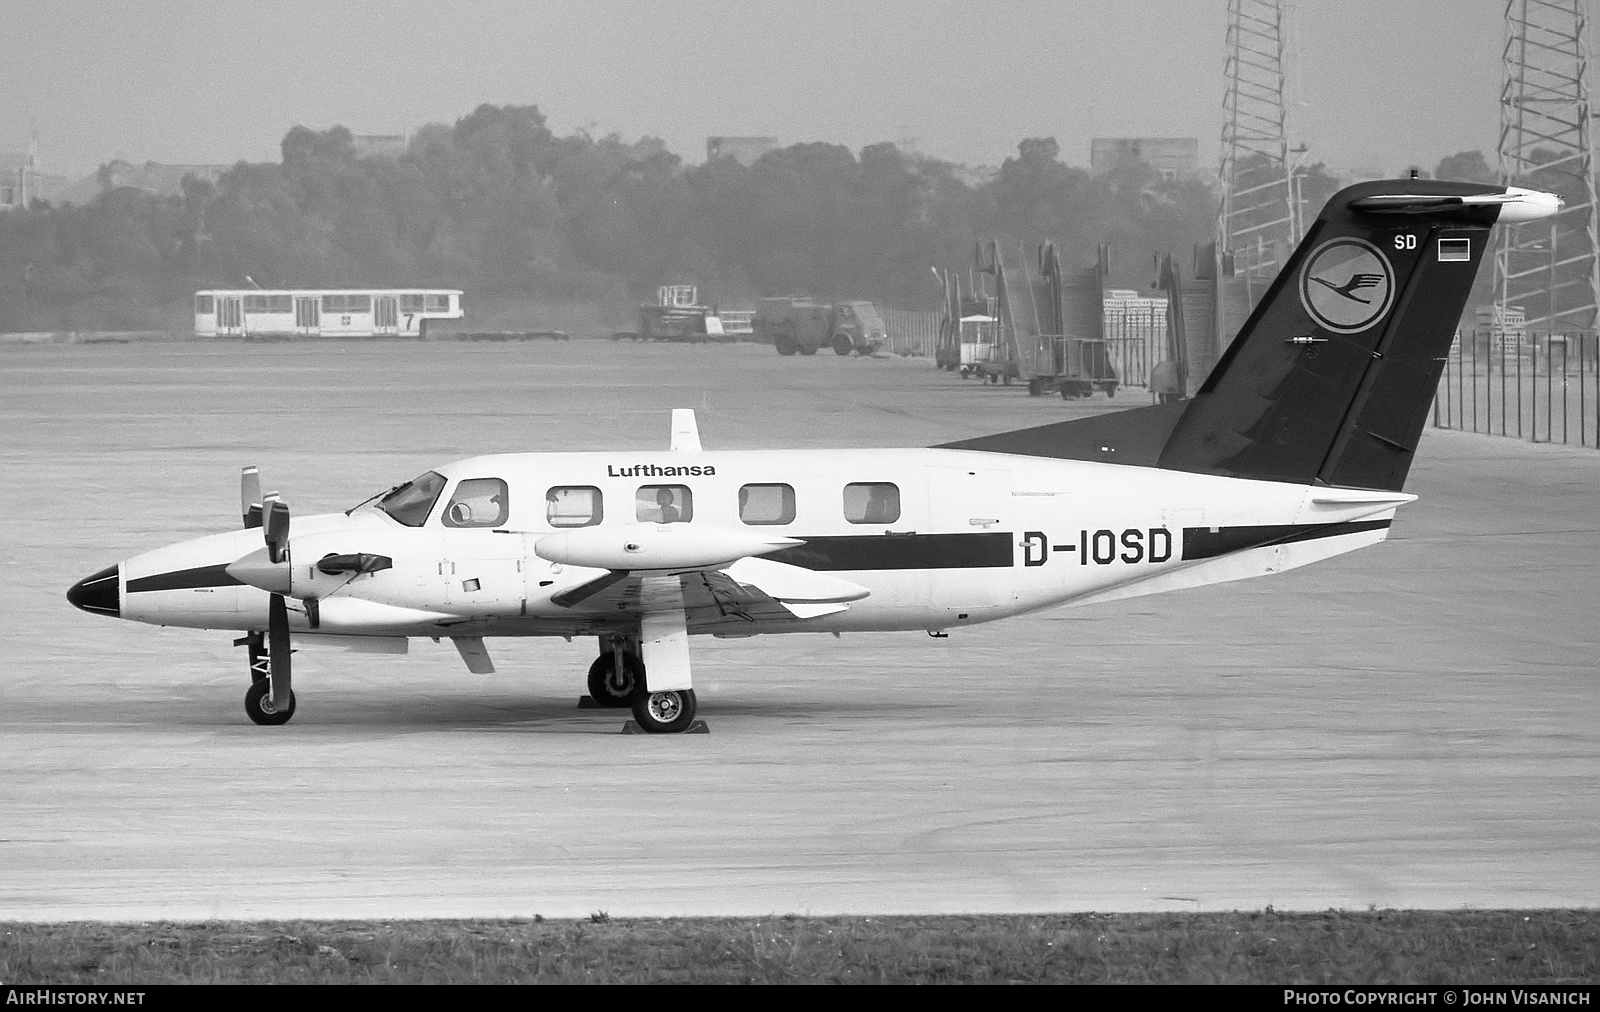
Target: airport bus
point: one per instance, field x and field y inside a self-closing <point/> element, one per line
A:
<point x="342" y="312"/>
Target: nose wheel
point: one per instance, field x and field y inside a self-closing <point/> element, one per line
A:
<point x="258" y="704"/>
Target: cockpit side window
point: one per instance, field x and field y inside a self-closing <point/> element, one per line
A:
<point x="478" y="502"/>
<point x="411" y="503"/>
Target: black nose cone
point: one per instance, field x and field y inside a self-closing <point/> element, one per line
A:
<point x="98" y="593"/>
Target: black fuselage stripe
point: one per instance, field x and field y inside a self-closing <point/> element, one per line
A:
<point x="1206" y="543"/>
<point x="988" y="550"/>
<point x="184" y="579"/>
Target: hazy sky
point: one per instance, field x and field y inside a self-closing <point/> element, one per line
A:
<point x="1375" y="83"/>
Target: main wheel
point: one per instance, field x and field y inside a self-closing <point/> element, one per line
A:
<point x="841" y="345"/>
<point x="260" y="708"/>
<point x="609" y="688"/>
<point x="807" y="351"/>
<point x="664" y="712"/>
<point x="1035" y="387"/>
<point x="784" y="345"/>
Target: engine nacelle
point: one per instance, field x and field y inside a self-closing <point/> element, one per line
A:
<point x="656" y="546"/>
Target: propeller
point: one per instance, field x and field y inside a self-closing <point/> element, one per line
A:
<point x="275" y="526"/>
<point x="271" y="514"/>
<point x="250" y="497"/>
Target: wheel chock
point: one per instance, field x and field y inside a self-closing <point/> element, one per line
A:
<point x="696" y="726"/>
<point x="588" y="703"/>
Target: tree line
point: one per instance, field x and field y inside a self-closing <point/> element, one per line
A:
<point x="499" y="205"/>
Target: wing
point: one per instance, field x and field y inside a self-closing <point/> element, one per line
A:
<point x="729" y="600"/>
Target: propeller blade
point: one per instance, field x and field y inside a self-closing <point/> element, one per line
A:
<point x="250" y="497"/>
<point x="275" y="524"/>
<point x="278" y="650"/>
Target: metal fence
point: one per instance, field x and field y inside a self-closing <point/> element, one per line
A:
<point x="912" y="332"/>
<point x="1535" y="385"/>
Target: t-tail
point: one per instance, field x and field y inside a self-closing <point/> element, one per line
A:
<point x="1331" y="379"/>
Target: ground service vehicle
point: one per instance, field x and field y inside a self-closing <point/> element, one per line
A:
<point x="343" y="312"/>
<point x="678" y="315"/>
<point x="800" y="325"/>
<point x="1295" y="449"/>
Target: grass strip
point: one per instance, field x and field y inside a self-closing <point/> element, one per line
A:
<point x="1379" y="946"/>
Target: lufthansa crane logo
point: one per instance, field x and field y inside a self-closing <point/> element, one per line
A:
<point x="1347" y="285"/>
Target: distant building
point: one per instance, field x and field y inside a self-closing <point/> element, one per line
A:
<point x="744" y="150"/>
<point x="159" y="178"/>
<point x="16" y="172"/>
<point x="1172" y="157"/>
<point x="21" y="182"/>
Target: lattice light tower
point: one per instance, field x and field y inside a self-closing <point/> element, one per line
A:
<point x="1257" y="221"/>
<point x="1548" y="268"/>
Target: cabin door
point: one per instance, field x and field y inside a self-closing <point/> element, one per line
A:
<point x="385" y="318"/>
<point x="230" y="317"/>
<point x="307" y="317"/>
<point x="973" y="552"/>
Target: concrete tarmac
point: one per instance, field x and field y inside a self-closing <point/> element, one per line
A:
<point x="1413" y="725"/>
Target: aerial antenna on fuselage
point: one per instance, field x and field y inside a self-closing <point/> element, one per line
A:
<point x="685" y="431"/>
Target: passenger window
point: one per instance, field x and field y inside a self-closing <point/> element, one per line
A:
<point x="478" y="502"/>
<point x="573" y="506"/>
<point x="875" y="502"/>
<point x="766" y="504"/>
<point x="204" y="305"/>
<point x="664" y="504"/>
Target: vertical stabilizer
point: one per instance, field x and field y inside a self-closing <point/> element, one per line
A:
<point x="1331" y="378"/>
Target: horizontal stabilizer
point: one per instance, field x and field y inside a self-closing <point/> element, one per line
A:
<point x="1360" y="497"/>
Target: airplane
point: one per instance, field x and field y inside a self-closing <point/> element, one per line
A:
<point x="1294" y="449"/>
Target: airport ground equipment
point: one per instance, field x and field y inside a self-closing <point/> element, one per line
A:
<point x="961" y="342"/>
<point x="1049" y="329"/>
<point x="799" y="325"/>
<point x="979" y="344"/>
<point x="1296" y="448"/>
<point x="1204" y="312"/>
<point x="281" y="314"/>
<point x="679" y="315"/>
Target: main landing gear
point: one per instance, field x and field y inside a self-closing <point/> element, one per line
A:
<point x="617" y="679"/>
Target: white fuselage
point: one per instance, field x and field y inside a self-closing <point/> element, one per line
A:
<point x="972" y="537"/>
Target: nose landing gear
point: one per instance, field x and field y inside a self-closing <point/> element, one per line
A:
<point x="258" y="704"/>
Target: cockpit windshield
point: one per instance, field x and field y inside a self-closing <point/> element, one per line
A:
<point x="412" y="502"/>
